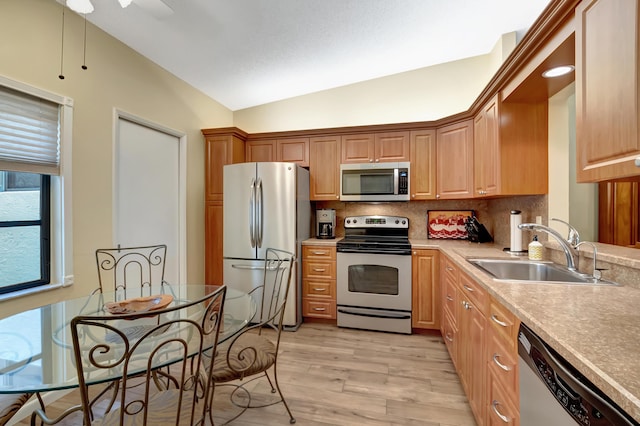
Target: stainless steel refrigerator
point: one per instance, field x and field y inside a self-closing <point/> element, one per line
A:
<point x="266" y="205"/>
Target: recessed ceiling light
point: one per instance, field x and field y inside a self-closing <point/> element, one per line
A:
<point x="558" y="71"/>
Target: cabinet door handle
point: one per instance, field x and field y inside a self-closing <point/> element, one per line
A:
<point x="319" y="289"/>
<point x="449" y="268"/>
<point x="499" y="364"/>
<point x="466" y="305"/>
<point x="319" y="270"/>
<point x="320" y="309"/>
<point x="320" y="253"/>
<point x="497" y="321"/>
<point x="449" y="298"/>
<point x="494" y="406"/>
<point x="469" y="289"/>
<point x="448" y="337"/>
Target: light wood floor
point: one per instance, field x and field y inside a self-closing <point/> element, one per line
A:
<point x="337" y="376"/>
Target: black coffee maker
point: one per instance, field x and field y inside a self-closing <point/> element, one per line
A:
<point x="326" y="223"/>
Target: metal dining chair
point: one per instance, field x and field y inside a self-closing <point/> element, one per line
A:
<point x="10" y="404"/>
<point x="178" y="339"/>
<point x="131" y="271"/>
<point x="253" y="354"/>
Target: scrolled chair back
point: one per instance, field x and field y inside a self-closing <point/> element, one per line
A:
<point x="276" y="276"/>
<point x="127" y="269"/>
<point x="119" y="345"/>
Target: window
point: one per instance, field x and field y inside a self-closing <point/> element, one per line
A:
<point x="35" y="232"/>
<point x="24" y="230"/>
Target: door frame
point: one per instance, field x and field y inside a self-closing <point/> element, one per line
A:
<point x="182" y="182"/>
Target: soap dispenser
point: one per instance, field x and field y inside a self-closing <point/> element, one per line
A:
<point x="535" y="249"/>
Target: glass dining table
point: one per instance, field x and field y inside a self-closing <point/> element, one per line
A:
<point x="36" y="350"/>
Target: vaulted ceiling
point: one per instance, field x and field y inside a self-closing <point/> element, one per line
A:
<point x="244" y="53"/>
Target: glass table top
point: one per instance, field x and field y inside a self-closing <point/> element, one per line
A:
<point x="36" y="350"/>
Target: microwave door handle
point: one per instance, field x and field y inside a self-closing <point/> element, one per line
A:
<point x="252" y="213"/>
<point x="396" y="181"/>
<point x="260" y="214"/>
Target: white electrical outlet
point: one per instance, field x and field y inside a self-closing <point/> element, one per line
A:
<point x="539" y="220"/>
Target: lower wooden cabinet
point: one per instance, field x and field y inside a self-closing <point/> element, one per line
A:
<point x="501" y="409"/>
<point x="319" y="281"/>
<point x="502" y="401"/>
<point x="213" y="228"/>
<point x="472" y="325"/>
<point x="425" y="312"/>
<point x="450" y="304"/>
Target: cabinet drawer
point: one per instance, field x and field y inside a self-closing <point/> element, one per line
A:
<point x="503" y="405"/>
<point x="449" y="268"/>
<point x="505" y="323"/>
<point x="319" y="269"/>
<point x="449" y="334"/>
<point x="318" y="308"/>
<point x="319" y="288"/>
<point x="450" y="298"/>
<point x="318" y="252"/>
<point x="471" y="291"/>
<point x="502" y="361"/>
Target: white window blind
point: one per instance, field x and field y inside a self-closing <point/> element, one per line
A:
<point x="29" y="133"/>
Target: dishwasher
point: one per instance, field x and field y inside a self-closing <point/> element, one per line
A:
<point x="554" y="393"/>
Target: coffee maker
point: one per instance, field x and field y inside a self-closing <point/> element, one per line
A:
<point x="326" y="223"/>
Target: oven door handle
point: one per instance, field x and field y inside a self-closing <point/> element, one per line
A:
<point x="370" y="314"/>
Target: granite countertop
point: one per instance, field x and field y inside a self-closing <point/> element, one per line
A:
<point x="321" y="241"/>
<point x="596" y="328"/>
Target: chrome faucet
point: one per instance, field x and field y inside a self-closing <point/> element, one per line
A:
<point x="569" y="251"/>
<point x="574" y="236"/>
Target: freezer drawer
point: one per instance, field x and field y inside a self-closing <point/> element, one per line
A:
<point x="245" y="275"/>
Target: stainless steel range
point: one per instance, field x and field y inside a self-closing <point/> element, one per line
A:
<point x="374" y="274"/>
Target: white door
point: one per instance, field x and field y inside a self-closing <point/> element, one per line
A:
<point x="147" y="199"/>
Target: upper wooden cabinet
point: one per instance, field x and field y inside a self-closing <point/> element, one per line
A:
<point x="454" y="152"/>
<point x="486" y="127"/>
<point x="423" y="165"/>
<point x="221" y="149"/>
<point x="260" y="150"/>
<point x="375" y="147"/>
<point x="324" y="168"/>
<point x="291" y="150"/>
<point x="607" y="90"/>
<point x="510" y="148"/>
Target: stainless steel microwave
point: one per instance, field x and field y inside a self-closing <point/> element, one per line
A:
<point x="374" y="182"/>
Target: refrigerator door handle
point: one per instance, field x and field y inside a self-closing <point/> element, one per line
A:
<point x="257" y="268"/>
<point x="252" y="213"/>
<point x="259" y="213"/>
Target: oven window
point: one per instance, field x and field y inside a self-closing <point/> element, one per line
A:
<point x="374" y="279"/>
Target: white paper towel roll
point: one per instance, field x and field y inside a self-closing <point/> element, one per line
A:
<point x="516" y="233"/>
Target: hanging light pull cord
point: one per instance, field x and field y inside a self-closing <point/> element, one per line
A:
<point x="84" y="49"/>
<point x="61" y="76"/>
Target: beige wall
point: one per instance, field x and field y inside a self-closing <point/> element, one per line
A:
<point x="117" y="77"/>
<point x="576" y="203"/>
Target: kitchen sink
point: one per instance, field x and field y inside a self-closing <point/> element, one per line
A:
<point x="526" y="270"/>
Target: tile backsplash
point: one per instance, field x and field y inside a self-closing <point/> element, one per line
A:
<point x="492" y="213"/>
